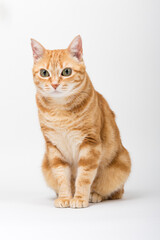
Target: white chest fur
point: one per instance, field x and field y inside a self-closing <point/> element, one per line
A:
<point x="68" y="142"/>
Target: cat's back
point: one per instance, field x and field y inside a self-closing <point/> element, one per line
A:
<point x="104" y="106"/>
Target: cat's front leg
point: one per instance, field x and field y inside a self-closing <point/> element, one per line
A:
<point x="87" y="168"/>
<point x="62" y="173"/>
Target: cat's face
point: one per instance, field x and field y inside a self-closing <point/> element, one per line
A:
<point x="58" y="73"/>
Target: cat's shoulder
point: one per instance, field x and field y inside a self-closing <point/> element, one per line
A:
<point x="103" y="104"/>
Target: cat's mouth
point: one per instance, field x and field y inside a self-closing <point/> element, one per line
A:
<point x="56" y="92"/>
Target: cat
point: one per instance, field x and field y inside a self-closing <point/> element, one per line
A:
<point x="84" y="160"/>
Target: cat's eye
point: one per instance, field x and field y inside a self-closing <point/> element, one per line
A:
<point x="66" y="72"/>
<point x="44" y="73"/>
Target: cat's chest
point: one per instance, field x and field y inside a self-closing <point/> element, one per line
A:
<point x="68" y="142"/>
<point x="66" y="134"/>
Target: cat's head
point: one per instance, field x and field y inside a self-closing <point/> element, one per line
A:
<point x="58" y="73"/>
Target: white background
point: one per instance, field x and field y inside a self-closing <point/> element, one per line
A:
<point x="121" y="42"/>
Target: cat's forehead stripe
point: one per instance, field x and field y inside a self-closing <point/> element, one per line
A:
<point x="49" y="59"/>
<point x="56" y="61"/>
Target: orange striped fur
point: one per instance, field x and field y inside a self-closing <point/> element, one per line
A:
<point x="84" y="158"/>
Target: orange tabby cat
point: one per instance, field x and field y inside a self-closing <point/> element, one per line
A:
<point x="85" y="160"/>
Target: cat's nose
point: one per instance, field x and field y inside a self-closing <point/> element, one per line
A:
<point x="54" y="85"/>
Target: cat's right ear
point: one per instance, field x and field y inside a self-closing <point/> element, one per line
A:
<point x="38" y="50"/>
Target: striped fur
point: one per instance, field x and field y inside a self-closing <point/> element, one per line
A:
<point x="84" y="159"/>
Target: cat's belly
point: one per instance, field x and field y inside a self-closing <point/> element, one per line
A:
<point x="68" y="143"/>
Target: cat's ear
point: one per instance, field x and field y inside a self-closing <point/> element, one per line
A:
<point x="75" y="48"/>
<point x="38" y="50"/>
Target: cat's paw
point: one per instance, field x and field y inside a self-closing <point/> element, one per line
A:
<point x="62" y="202"/>
<point x="78" y="203"/>
<point x="95" y="198"/>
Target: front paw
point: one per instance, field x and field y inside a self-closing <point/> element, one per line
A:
<point x="78" y="203"/>
<point x="62" y="202"/>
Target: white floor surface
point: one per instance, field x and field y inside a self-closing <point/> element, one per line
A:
<point x="32" y="215"/>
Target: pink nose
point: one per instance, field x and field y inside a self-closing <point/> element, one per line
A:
<point x="55" y="85"/>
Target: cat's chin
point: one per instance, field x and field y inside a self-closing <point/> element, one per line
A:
<point x="52" y="94"/>
<point x="57" y="94"/>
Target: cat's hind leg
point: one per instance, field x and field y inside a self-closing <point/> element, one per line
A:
<point x="95" y="198"/>
<point x="110" y="179"/>
<point x="117" y="194"/>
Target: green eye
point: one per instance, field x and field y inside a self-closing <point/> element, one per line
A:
<point x="66" y="72"/>
<point x="44" y="73"/>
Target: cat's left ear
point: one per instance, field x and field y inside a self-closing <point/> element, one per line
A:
<point x="38" y="50"/>
<point x="75" y="48"/>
